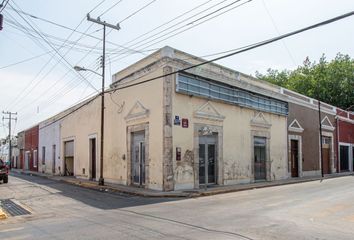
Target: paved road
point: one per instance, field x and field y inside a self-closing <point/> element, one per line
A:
<point x="313" y="210"/>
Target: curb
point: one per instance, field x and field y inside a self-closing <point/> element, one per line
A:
<point x="186" y="194"/>
<point x="96" y="187"/>
<point x="133" y="193"/>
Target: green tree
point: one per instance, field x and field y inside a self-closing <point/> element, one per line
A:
<point x="330" y="81"/>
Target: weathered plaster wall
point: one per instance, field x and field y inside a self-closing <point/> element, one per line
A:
<point x="128" y="107"/>
<point x="135" y="106"/>
<point x="78" y="126"/>
<point x="236" y="156"/>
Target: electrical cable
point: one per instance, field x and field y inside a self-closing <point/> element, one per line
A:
<point x="172" y="26"/>
<point x="66" y="52"/>
<point x="58" y="42"/>
<point x="76" y="31"/>
<point x="20" y="96"/>
<point x="110" y="8"/>
<point x="190" y="23"/>
<point x="243" y="49"/>
<point x="277" y="30"/>
<point x="57" y="51"/>
<point x="183" y="30"/>
<point x="164" y="24"/>
<point x="4" y="5"/>
<point x="134" y="13"/>
<point x="110" y="31"/>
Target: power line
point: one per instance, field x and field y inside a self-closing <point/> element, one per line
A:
<point x="17" y="99"/>
<point x="277" y="30"/>
<point x="191" y="23"/>
<point x="164" y="24"/>
<point x="134" y="13"/>
<point x="172" y="26"/>
<point x="244" y="49"/>
<point x="65" y="53"/>
<point x="108" y="33"/>
<point x="3" y="5"/>
<point x="49" y="43"/>
<point x="58" y="41"/>
<point x="76" y="31"/>
<point x="110" y="8"/>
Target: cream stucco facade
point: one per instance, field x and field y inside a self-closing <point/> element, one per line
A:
<point x="141" y="137"/>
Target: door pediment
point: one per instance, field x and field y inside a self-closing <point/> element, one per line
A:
<point x="295" y="126"/>
<point x="326" y="124"/>
<point x="208" y="111"/>
<point x="138" y="111"/>
<point x="259" y="120"/>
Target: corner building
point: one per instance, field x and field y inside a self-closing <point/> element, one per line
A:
<point x="207" y="125"/>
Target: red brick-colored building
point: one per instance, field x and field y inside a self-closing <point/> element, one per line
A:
<point x="345" y="139"/>
<point x="30" y="152"/>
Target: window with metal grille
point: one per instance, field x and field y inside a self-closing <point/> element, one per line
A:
<point x="201" y="87"/>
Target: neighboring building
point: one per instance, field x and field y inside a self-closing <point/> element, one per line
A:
<point x="79" y="136"/>
<point x="303" y="131"/>
<point x="49" y="147"/>
<point x="31" y="149"/>
<point x="21" y="149"/>
<point x="345" y="135"/>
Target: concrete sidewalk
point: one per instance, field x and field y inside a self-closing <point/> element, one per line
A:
<point x="212" y="190"/>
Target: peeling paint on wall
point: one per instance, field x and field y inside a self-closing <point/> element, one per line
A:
<point x="184" y="169"/>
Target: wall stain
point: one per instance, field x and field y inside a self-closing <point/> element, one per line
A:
<point x="184" y="169"/>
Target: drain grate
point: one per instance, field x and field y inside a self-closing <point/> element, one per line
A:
<point x="12" y="208"/>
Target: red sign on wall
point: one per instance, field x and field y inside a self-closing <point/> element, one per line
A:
<point x="185" y="122"/>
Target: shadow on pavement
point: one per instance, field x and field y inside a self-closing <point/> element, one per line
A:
<point x="94" y="198"/>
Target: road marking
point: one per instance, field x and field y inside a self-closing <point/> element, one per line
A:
<point x="11" y="230"/>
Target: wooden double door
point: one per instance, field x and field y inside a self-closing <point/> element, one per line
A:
<point x="294" y="158"/>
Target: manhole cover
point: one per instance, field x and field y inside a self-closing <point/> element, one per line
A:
<point x="12" y="208"/>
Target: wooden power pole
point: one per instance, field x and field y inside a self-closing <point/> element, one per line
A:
<point x="10" y="118"/>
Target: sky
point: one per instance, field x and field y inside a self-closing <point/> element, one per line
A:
<point x="45" y="82"/>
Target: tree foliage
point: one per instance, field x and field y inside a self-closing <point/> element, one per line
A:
<point x="330" y="81"/>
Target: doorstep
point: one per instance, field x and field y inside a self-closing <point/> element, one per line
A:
<point x="212" y="190"/>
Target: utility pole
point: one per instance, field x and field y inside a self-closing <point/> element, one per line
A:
<point x="319" y="121"/>
<point x="10" y="118"/>
<point x="116" y="27"/>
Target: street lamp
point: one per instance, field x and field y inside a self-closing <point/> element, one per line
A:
<point x="78" y="68"/>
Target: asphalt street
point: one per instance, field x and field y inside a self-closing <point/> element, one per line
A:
<point x="312" y="210"/>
